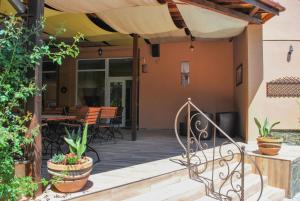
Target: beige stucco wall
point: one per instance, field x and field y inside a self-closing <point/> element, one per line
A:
<point x="278" y="34"/>
<point x="240" y="55"/>
<point x="211" y="81"/>
<point x="161" y="94"/>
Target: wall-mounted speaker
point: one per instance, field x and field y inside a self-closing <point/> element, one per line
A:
<point x="155" y="50"/>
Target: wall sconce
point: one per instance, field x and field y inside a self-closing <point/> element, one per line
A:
<point x="185" y="73"/>
<point x="192" y="48"/>
<point x="144" y="65"/>
<point x="100" y="52"/>
<point x="289" y="55"/>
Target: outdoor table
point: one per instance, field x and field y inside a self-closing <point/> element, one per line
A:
<point x="47" y="117"/>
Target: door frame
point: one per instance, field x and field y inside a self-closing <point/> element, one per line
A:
<point x="107" y="98"/>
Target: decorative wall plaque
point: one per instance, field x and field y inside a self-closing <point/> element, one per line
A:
<point x="284" y="87"/>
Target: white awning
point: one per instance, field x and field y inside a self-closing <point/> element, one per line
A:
<point x="147" y="18"/>
<point x="204" y="23"/>
<point x="94" y="6"/>
<point x="141" y="19"/>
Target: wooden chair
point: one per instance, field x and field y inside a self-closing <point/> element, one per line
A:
<point x="107" y="115"/>
<point x="89" y="116"/>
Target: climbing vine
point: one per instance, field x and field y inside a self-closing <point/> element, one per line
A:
<point x="18" y="59"/>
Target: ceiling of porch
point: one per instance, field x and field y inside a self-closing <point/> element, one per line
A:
<point x="112" y="22"/>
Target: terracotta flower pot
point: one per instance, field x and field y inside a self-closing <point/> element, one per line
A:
<point x="74" y="177"/>
<point x="268" y="145"/>
<point x="23" y="168"/>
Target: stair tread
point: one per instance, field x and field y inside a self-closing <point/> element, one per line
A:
<point x="169" y="191"/>
<point x="251" y="181"/>
<point x="185" y="186"/>
<point x="269" y="194"/>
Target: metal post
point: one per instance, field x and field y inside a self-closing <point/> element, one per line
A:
<point x="213" y="162"/>
<point x="134" y="93"/>
<point x="243" y="173"/>
<point x="189" y="135"/>
<point x="36" y="12"/>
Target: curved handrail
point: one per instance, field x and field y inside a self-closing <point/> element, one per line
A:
<point x="193" y="140"/>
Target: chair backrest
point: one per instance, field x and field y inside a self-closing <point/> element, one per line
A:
<point x="91" y="114"/>
<point x="108" y="112"/>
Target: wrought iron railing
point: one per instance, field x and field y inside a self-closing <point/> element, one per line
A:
<point x="213" y="167"/>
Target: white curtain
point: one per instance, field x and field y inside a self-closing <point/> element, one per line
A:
<point x="94" y="6"/>
<point x="204" y="23"/>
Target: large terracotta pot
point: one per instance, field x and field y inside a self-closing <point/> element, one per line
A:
<point x="269" y="146"/>
<point x="74" y="177"/>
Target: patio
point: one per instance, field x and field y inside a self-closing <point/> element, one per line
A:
<point x="131" y="51"/>
<point x="152" y="145"/>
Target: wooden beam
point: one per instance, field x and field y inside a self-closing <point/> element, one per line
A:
<point x="254" y="11"/>
<point x="238" y="5"/>
<point x="263" y="6"/>
<point x="223" y="10"/>
<point x="134" y="87"/>
<point x="36" y="12"/>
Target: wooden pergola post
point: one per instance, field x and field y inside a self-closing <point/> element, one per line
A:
<point x="134" y="93"/>
<point x="36" y="12"/>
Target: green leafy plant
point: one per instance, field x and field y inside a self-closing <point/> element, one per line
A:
<point x="71" y="159"/>
<point x="265" y="128"/>
<point x="77" y="141"/>
<point x="19" y="56"/>
<point x="58" y="158"/>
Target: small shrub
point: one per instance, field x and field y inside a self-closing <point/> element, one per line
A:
<point x="58" y="158"/>
<point x="71" y="159"/>
<point x="266" y="128"/>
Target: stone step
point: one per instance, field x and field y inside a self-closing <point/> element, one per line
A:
<point x="188" y="189"/>
<point x="269" y="194"/>
<point x="252" y="186"/>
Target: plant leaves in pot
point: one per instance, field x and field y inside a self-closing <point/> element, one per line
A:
<point x="267" y="144"/>
<point x="73" y="169"/>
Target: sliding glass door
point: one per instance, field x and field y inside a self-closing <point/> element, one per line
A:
<point x="106" y="82"/>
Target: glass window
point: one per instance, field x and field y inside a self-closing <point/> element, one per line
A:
<point x="49" y="79"/>
<point x="49" y="66"/>
<point x="120" y="67"/>
<point x="96" y="64"/>
<point x="91" y="88"/>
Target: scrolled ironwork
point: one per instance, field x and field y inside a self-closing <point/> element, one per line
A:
<point x="229" y="181"/>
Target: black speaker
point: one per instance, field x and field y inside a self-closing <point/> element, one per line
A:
<point x="155" y="50"/>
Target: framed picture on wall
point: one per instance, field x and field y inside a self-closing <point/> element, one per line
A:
<point x="239" y="75"/>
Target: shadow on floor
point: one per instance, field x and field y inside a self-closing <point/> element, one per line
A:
<point x="151" y="145"/>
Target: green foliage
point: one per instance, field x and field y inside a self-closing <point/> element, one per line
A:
<point x="72" y="160"/>
<point x="17" y="188"/>
<point x="77" y="142"/>
<point x="18" y="59"/>
<point x="266" y="128"/>
<point x="58" y="158"/>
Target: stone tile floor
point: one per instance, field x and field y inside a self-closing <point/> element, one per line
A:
<point x="151" y="145"/>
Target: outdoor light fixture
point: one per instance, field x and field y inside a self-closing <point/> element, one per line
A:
<point x="18" y="6"/>
<point x="192" y="48"/>
<point x="289" y="55"/>
<point x="100" y="52"/>
<point x="185" y="73"/>
<point x="144" y="65"/>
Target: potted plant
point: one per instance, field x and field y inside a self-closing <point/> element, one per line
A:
<point x="267" y="144"/>
<point x="73" y="168"/>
